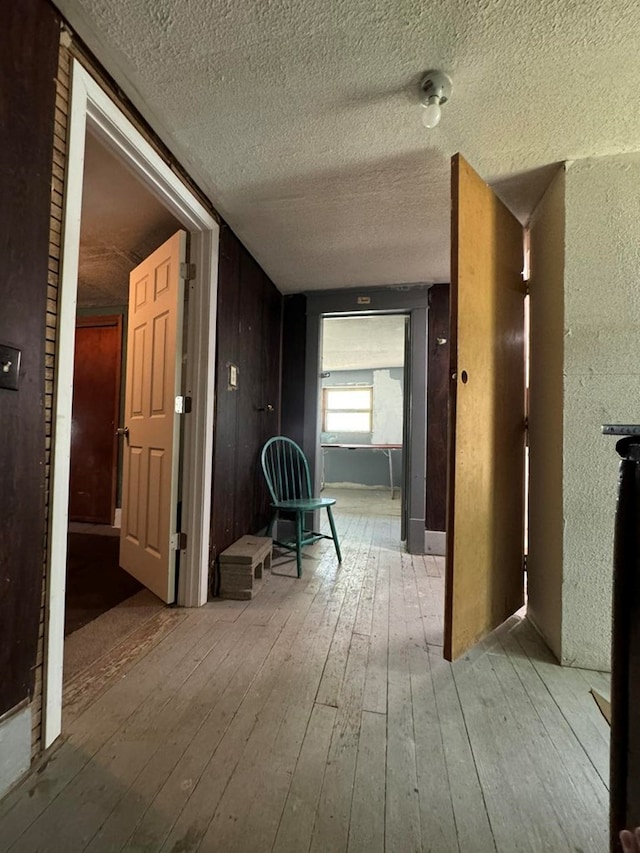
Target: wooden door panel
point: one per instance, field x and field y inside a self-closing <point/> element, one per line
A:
<point x="271" y="382"/>
<point x="485" y="513"/>
<point x="151" y="457"/>
<point x="96" y="403"/>
<point x="131" y="520"/>
<point x="250" y="398"/>
<point x="248" y="335"/>
<point x="437" y="406"/>
<point x="226" y="399"/>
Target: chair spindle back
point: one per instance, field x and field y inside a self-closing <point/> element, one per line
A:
<point x="286" y="470"/>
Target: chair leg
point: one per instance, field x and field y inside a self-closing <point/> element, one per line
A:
<point x="272" y="521"/>
<point x="334" y="534"/>
<point x="299" y="543"/>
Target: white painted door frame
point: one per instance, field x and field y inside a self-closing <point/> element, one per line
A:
<point x="91" y="107"/>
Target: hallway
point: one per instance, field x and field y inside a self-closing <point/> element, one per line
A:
<point x="320" y="716"/>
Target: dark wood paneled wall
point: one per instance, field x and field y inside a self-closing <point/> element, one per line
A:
<point x="437" y="406"/>
<point x="294" y="337"/>
<point x="28" y="63"/>
<point x="248" y="336"/>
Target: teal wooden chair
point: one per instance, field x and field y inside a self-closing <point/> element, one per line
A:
<point x="286" y="471"/>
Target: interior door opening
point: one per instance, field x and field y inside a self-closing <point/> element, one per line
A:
<point x="362" y="412"/>
<point x="92" y="110"/>
<point x="121" y="225"/>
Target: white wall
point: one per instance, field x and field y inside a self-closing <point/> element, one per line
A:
<point x="387" y="408"/>
<point x="602" y="384"/>
<point x="363" y="343"/>
<point x="546" y="414"/>
<point x="598" y="340"/>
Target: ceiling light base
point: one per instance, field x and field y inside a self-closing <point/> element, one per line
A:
<point x="435" y="84"/>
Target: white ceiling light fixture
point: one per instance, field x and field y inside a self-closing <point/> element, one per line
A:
<point x="435" y="90"/>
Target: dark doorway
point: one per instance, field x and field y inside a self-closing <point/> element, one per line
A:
<point x="96" y="411"/>
<point x="95" y="581"/>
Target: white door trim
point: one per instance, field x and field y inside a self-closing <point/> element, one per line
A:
<point x="91" y="107"/>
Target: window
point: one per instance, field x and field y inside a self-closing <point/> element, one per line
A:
<point x="347" y="409"/>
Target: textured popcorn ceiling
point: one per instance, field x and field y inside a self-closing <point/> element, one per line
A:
<point x="299" y="117"/>
<point x="121" y="224"/>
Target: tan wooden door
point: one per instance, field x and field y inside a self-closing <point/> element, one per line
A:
<point x="485" y="512"/>
<point x="151" y="445"/>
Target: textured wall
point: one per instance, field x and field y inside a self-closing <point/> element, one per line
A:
<point x="602" y="384"/>
<point x="387" y="407"/>
<point x="363" y="343"/>
<point x="545" y="419"/>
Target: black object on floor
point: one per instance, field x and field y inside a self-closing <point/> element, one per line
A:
<point x="624" y="806"/>
<point x="95" y="581"/>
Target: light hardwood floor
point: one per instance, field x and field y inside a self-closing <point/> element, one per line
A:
<point x="321" y="717"/>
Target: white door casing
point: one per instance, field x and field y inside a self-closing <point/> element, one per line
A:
<point x="91" y="107"/>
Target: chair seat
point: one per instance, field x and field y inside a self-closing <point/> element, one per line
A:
<point x="304" y="504"/>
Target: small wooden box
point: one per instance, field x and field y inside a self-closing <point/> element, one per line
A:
<point x="243" y="566"/>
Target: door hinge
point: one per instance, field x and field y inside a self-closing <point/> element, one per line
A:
<point x="178" y="541"/>
<point x="183" y="405"/>
<point x="524" y="563"/>
<point x="187" y="271"/>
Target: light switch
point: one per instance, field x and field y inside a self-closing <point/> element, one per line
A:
<point x="9" y="367"/>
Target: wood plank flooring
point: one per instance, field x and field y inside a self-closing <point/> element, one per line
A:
<point x="321" y="717"/>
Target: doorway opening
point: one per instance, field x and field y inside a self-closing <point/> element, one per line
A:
<point x="410" y="302"/>
<point x="362" y="411"/>
<point x="95" y="117"/>
<point x="121" y="224"/>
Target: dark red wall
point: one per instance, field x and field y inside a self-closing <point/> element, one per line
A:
<point x="437" y="406"/>
<point x="28" y="62"/>
<point x="248" y="336"/>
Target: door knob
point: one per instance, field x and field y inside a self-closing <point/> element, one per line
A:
<point x="123" y="431"/>
<point x="267" y="408"/>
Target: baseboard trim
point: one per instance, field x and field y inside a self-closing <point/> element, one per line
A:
<point x="435" y="542"/>
<point x="15" y="746"/>
<point x="415" y="536"/>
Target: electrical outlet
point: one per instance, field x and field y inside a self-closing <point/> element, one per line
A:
<point x="9" y="367"/>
